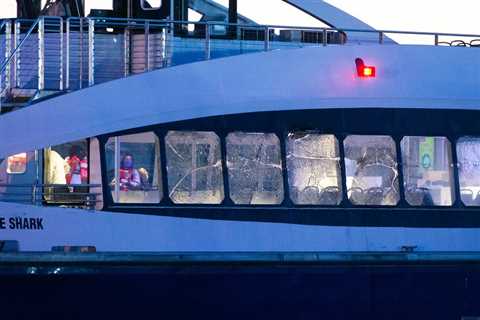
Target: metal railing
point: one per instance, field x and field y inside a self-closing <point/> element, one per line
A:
<point x="75" y="196"/>
<point x="55" y="54"/>
<point x="4" y="52"/>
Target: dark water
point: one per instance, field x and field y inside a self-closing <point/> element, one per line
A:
<point x="241" y="291"/>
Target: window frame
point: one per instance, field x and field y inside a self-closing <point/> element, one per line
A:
<point x="400" y="195"/>
<point x="287" y="187"/>
<point x="454" y="178"/>
<point x="282" y="135"/>
<point x="109" y="201"/>
<point x="282" y="152"/>
<point x="17" y="173"/>
<point x="166" y="189"/>
<point x="456" y="171"/>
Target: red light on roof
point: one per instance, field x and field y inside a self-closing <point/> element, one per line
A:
<point x="364" y="71"/>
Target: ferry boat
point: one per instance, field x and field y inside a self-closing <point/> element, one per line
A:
<point x="227" y="143"/>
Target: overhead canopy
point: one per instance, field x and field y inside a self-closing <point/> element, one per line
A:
<point x="337" y="18"/>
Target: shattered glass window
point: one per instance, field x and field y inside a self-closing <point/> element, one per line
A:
<point x="313" y="165"/>
<point x="468" y="154"/>
<point x="194" y="167"/>
<point x="254" y="168"/>
<point x="428" y="171"/>
<point x="371" y="170"/>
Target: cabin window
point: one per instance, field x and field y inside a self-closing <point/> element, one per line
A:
<point x="66" y="172"/>
<point x="17" y="164"/>
<point x="468" y="154"/>
<point x="194" y="167"/>
<point x="371" y="170"/>
<point x="254" y="165"/>
<point x="313" y="165"/>
<point x="428" y="171"/>
<point x="133" y="168"/>
<point x="17" y="175"/>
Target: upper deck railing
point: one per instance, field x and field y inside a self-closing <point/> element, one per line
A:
<point x="52" y="54"/>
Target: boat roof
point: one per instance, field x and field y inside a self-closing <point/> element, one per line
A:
<point x="296" y="79"/>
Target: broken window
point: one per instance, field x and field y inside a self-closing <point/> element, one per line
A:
<point x="313" y="165"/>
<point x="194" y="167"/>
<point x="254" y="168"/>
<point x="428" y="171"/>
<point x="371" y="170"/>
<point x="133" y="168"/>
<point x="468" y="154"/>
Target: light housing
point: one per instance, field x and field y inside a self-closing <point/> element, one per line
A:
<point x="364" y="71"/>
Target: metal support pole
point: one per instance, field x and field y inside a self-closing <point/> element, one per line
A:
<point x="126" y="51"/>
<point x="16" y="58"/>
<point x="172" y="16"/>
<point x="91" y="52"/>
<point x="61" y="85"/>
<point x="41" y="54"/>
<point x="267" y="38"/>
<point x="380" y="37"/>
<point x="38" y="167"/>
<point x="117" y="169"/>
<point x="436" y="39"/>
<point x="80" y="72"/>
<point x="325" y="35"/>
<point x="147" y="46"/>
<point x="169" y="37"/>
<point x="207" y="41"/>
<point x="67" y="53"/>
<point x="164" y="47"/>
<point x="8" y="51"/>
<point x="34" y="194"/>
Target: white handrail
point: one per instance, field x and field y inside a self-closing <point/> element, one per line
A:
<point x="98" y="27"/>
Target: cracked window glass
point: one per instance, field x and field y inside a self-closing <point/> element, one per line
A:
<point x="254" y="168"/>
<point x="428" y="171"/>
<point x="371" y="170"/>
<point x="468" y="154"/>
<point x="133" y="168"/>
<point x="194" y="167"/>
<point x="313" y="165"/>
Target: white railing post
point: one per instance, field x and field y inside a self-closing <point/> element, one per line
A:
<point x="67" y="55"/>
<point x="147" y="45"/>
<point x="91" y="52"/>
<point x="8" y="52"/>
<point x="41" y="54"/>
<point x="61" y="84"/>
<point x="16" y="58"/>
<point x="80" y="72"/>
<point x="126" y="50"/>
<point x="164" y="53"/>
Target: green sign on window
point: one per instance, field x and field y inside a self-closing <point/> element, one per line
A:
<point x="426" y="151"/>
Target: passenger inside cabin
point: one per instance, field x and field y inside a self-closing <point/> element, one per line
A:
<point x="77" y="172"/>
<point x="129" y="176"/>
<point x="54" y="168"/>
<point x="144" y="178"/>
